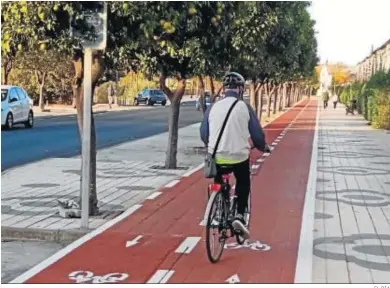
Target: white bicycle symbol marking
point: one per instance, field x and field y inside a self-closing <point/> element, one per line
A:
<point x="88" y="276"/>
<point x="256" y="245"/>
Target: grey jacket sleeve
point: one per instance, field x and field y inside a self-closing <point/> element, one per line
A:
<point x="255" y="130"/>
<point x="204" y="127"/>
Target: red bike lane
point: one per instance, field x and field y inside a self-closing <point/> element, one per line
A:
<point x="163" y="241"/>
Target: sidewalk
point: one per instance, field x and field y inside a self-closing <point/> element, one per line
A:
<point x="125" y="176"/>
<point x="352" y="219"/>
<point x="67" y="110"/>
<point x="162" y="240"/>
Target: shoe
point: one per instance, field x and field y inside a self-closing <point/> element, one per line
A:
<point x="239" y="224"/>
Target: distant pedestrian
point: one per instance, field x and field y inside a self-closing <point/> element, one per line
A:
<point x="325" y="98"/>
<point x="335" y="100"/>
<point x="110" y="93"/>
<point x="353" y="104"/>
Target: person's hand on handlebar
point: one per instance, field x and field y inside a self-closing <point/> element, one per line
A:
<point x="267" y="148"/>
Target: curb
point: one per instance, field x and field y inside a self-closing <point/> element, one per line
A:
<point x="63" y="237"/>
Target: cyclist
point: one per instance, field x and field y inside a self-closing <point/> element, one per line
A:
<point x="234" y="150"/>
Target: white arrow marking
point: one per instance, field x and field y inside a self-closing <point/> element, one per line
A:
<point x="161" y="276"/>
<point x="233" y="279"/>
<point x="188" y="245"/>
<point x="134" y="241"/>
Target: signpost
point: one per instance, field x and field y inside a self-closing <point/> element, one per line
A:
<point x="96" y="21"/>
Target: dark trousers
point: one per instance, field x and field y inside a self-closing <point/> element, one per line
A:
<point x="334" y="104"/>
<point x="325" y="103"/>
<point x="242" y="174"/>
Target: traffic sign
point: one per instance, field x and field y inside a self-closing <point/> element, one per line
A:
<point x="92" y="29"/>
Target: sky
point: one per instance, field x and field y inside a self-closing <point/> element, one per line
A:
<point x="347" y="29"/>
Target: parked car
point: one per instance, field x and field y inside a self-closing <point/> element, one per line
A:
<point x="16" y="107"/>
<point x="150" y="97"/>
<point x="207" y="99"/>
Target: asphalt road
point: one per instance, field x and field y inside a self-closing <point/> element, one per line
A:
<point x="58" y="136"/>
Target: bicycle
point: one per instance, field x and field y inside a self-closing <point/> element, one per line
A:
<point x="221" y="210"/>
<point x="225" y="204"/>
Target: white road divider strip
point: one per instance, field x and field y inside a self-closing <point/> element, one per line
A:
<point x="188" y="245"/>
<point x="160" y="277"/>
<point x="153" y="195"/>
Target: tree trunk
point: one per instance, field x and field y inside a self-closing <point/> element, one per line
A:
<point x="212" y="87"/>
<point x="269" y="98"/>
<point x="260" y="102"/>
<point x="175" y="98"/>
<point x="6" y="69"/>
<point x="202" y="103"/>
<point x="78" y="91"/>
<point x="276" y="99"/>
<point x="252" y="95"/>
<point x="284" y="96"/>
<point x="41" y="77"/>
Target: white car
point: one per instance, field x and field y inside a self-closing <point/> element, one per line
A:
<point x="16" y="107"/>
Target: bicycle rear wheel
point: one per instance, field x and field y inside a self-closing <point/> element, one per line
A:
<point x="239" y="238"/>
<point x="215" y="228"/>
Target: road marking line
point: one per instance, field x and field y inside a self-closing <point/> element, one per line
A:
<point x="153" y="195"/>
<point x="188" y="245"/>
<point x="202" y="223"/>
<point x="60" y="254"/>
<point x="303" y="270"/>
<point x="277" y="140"/>
<point x="274" y="143"/>
<point x="279" y="137"/>
<point x="189" y="173"/>
<point x="161" y="276"/>
<point x="172" y="183"/>
<point x="266" y="154"/>
<point x="260" y="160"/>
<point x="255" y="166"/>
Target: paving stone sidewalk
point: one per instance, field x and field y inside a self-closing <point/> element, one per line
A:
<point x="125" y="176"/>
<point x="352" y="219"/>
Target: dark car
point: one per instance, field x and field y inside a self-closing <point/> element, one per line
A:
<point x="150" y="97"/>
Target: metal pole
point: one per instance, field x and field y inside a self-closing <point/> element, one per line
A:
<point x="86" y="141"/>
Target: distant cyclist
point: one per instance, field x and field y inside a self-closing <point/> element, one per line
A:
<point x="234" y="149"/>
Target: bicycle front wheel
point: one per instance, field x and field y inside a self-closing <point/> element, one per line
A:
<point x="215" y="228"/>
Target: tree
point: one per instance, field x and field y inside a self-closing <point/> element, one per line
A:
<point x="44" y="64"/>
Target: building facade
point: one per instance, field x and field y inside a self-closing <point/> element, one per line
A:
<point x="378" y="60"/>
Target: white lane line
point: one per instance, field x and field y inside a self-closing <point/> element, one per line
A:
<point x="304" y="266"/>
<point x="171" y="184"/>
<point x="60" y="254"/>
<point x="274" y="143"/>
<point x="161" y="276"/>
<point x="277" y="140"/>
<point x="189" y="173"/>
<point x="153" y="195"/>
<point x="266" y="154"/>
<point x="260" y="160"/>
<point x="255" y="166"/>
<point x="188" y="245"/>
<point x="280" y="137"/>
